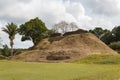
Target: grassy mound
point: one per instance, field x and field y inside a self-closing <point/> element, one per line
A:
<point x="71" y="47"/>
<point x="100" y="59"/>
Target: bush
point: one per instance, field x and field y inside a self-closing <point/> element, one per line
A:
<point x="55" y="34"/>
<point x="115" y="46"/>
<point x="57" y="56"/>
<point x="5" y="51"/>
<point x="79" y="31"/>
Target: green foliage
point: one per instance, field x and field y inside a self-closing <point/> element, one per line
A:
<point x="5" y="51"/>
<point x="116" y="33"/>
<point x="98" y="31"/>
<point x="34" y="30"/>
<point x="115" y="46"/>
<point x="103" y="34"/>
<point x="11" y="29"/>
<point x="107" y="37"/>
<point x="55" y="34"/>
<point x="48" y="33"/>
<point x="79" y="31"/>
<point x="100" y="59"/>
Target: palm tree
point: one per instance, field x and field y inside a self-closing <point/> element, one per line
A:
<point x="11" y="30"/>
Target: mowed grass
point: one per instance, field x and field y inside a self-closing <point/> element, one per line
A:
<point x="10" y="70"/>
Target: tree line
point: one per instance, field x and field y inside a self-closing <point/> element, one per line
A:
<point x="34" y="30"/>
<point x="109" y="37"/>
<point x="106" y="35"/>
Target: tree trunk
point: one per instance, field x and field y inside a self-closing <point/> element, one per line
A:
<point x="11" y="50"/>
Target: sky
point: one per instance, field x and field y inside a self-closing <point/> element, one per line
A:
<point x="87" y="14"/>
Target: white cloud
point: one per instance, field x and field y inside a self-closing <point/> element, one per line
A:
<point x="86" y="13"/>
<point x="100" y="22"/>
<point x="74" y="8"/>
<point x="101" y="7"/>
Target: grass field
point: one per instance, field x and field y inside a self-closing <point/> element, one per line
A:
<point x="10" y="70"/>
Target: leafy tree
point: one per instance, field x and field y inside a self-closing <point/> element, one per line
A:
<point x="116" y="33"/>
<point x="11" y="30"/>
<point x="107" y="38"/>
<point x="103" y="34"/>
<point x="34" y="30"/>
<point x="115" y="46"/>
<point x="98" y="31"/>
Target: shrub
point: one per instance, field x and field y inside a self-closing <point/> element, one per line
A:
<point x="5" y="51"/>
<point x="79" y="31"/>
<point x="55" y="34"/>
<point x="115" y="46"/>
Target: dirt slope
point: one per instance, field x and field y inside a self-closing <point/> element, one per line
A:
<point x="66" y="48"/>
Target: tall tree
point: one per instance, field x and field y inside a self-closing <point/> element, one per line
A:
<point x="116" y="33"/>
<point x="73" y="26"/>
<point x="103" y="34"/>
<point x="63" y="27"/>
<point x="107" y="38"/>
<point x="11" y="30"/>
<point x="98" y="31"/>
<point x="34" y="30"/>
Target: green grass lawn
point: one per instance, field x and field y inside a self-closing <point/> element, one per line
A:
<point x="58" y="71"/>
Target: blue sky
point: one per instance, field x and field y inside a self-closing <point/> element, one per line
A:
<point x="87" y="14"/>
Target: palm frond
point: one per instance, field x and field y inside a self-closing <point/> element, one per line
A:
<point x="10" y="29"/>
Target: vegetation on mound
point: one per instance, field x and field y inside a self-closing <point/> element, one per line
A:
<point x="68" y="48"/>
<point x="100" y="59"/>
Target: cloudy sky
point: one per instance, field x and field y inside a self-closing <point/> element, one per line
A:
<point x="86" y="13"/>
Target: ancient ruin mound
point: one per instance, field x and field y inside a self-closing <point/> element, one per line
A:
<point x="71" y="46"/>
